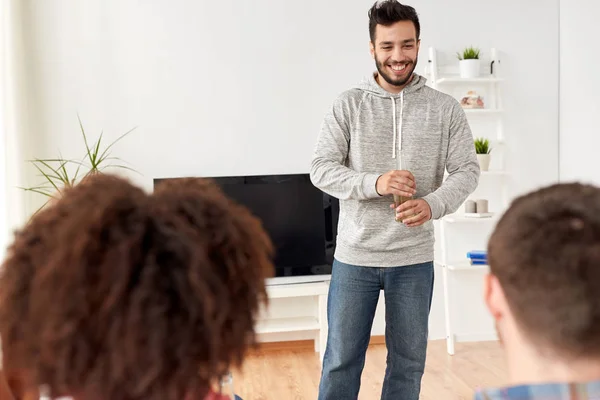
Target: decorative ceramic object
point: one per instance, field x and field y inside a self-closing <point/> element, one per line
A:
<point x="482" y="206"/>
<point x="472" y="101"/>
<point x="483" y="150"/>
<point x="469" y="63"/>
<point x="470" y="207"/>
<point x="469" y="69"/>
<point x="484" y="161"/>
<point x="477" y="209"/>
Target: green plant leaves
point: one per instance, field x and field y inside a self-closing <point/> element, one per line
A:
<point x="470" y="53"/>
<point x="482" y="146"/>
<point x="60" y="173"/>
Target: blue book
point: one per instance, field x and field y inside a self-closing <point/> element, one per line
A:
<point x="478" y="262"/>
<point x="477" y="255"/>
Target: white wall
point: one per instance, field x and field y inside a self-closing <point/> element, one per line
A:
<point x="13" y="116"/>
<point x="215" y="88"/>
<point x="241" y="87"/>
<point x="579" y="91"/>
<point x="3" y="104"/>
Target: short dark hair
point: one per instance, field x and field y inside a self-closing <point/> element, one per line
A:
<point x="545" y="252"/>
<point x="113" y="293"/>
<point x="388" y="12"/>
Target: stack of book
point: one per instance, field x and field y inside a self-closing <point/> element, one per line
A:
<point x="477" y="257"/>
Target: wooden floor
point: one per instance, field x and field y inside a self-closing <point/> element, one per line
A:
<point x="294" y="373"/>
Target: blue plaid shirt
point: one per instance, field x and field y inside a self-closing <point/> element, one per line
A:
<point x="585" y="391"/>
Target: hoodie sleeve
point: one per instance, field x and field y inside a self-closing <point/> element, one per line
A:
<point x="328" y="171"/>
<point x="462" y="165"/>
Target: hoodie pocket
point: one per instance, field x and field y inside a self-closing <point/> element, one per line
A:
<point x="374" y="214"/>
<point x="366" y="224"/>
<point x="371" y="226"/>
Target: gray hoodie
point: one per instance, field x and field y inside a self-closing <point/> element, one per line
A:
<point x="369" y="132"/>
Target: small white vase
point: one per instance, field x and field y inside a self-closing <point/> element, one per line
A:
<point x="469" y="68"/>
<point x="484" y="161"/>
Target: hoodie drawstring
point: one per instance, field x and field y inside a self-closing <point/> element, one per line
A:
<point x="394" y="123"/>
<point x="397" y="129"/>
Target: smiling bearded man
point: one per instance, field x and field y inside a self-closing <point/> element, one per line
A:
<point x="389" y="139"/>
<point x="396" y="71"/>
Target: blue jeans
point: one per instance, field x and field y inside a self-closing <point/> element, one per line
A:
<point x="352" y="301"/>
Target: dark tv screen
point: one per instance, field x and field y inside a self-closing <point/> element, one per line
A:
<point x="300" y="219"/>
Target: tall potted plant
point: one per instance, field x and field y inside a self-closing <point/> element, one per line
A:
<point x="59" y="173"/>
<point x="483" y="150"/>
<point x="469" y="63"/>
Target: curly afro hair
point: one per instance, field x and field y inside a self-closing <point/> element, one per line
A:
<point x="113" y="293"/>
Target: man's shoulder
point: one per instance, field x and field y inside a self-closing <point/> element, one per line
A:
<point x="349" y="100"/>
<point x="350" y="95"/>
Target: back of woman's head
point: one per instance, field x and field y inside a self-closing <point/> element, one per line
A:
<point x="112" y="293"/>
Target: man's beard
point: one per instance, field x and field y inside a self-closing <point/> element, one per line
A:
<point x="391" y="79"/>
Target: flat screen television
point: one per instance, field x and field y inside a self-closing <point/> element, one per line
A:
<point x="300" y="219"/>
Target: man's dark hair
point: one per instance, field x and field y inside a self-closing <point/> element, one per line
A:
<point x="545" y="252"/>
<point x="388" y="12"/>
<point x="113" y="293"/>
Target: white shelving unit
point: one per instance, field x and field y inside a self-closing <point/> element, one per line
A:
<point x="457" y="221"/>
<point x="317" y="324"/>
<point x="456" y="218"/>
<point x="483" y="111"/>
<point x="280" y="325"/>
<point x="458" y="79"/>
<point x="466" y="267"/>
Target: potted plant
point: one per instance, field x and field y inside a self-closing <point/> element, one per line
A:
<point x="483" y="150"/>
<point x="469" y="62"/>
<point x="60" y="173"/>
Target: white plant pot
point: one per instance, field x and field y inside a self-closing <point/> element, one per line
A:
<point x="469" y="68"/>
<point x="484" y="161"/>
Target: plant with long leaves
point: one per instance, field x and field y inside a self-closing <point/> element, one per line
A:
<point x="482" y="146"/>
<point x="60" y="173"/>
<point x="470" y="53"/>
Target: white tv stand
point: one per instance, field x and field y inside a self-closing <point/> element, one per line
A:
<point x="315" y="322"/>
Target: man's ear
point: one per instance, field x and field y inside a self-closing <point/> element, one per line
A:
<point x="372" y="49"/>
<point x="493" y="295"/>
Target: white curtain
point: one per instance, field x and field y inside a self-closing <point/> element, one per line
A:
<point x="11" y="160"/>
